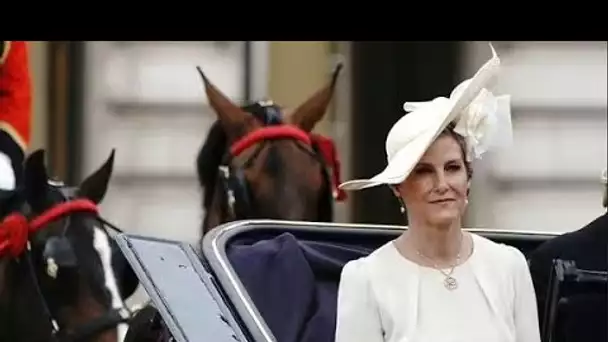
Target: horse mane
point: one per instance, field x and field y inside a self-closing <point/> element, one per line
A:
<point x="213" y="150"/>
<point x="208" y="160"/>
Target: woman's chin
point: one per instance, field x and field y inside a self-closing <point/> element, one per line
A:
<point x="445" y="218"/>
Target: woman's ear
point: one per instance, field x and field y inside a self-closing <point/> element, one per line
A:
<point x="395" y="191"/>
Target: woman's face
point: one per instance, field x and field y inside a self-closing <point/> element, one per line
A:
<point x="436" y="190"/>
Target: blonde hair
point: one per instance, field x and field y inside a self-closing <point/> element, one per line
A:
<point x="449" y="131"/>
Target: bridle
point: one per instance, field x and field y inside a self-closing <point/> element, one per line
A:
<point x="15" y="232"/>
<point x="237" y="200"/>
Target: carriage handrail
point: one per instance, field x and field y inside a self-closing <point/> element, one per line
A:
<point x="569" y="270"/>
<point x="227" y="228"/>
<point x="562" y="271"/>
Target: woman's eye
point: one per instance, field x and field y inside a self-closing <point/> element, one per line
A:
<point x="454" y="167"/>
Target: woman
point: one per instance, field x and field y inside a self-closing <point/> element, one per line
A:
<point x="437" y="282"/>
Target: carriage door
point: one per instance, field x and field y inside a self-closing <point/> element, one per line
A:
<point x="146" y="99"/>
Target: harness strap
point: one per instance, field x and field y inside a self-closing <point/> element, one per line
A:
<point x="86" y="331"/>
<point x="269" y="133"/>
<point x="15" y="228"/>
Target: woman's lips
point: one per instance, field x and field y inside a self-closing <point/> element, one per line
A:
<point x="445" y="200"/>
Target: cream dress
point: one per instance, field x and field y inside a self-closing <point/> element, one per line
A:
<point x="384" y="297"/>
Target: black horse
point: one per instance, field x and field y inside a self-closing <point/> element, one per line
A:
<point x="60" y="276"/>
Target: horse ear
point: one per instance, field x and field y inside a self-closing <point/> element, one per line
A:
<point x="235" y="121"/>
<point x="309" y="113"/>
<point x="36" y="181"/>
<point x="94" y="187"/>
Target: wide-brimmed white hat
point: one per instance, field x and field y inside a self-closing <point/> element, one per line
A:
<point x="478" y="114"/>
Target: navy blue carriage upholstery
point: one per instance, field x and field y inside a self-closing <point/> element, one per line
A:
<point x="292" y="277"/>
<point x="294" y="283"/>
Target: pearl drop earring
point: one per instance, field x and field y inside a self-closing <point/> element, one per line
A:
<point x="402" y="205"/>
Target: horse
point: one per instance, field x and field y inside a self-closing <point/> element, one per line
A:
<point x="257" y="162"/>
<point x="58" y="279"/>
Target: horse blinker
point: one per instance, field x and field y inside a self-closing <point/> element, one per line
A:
<point x="57" y="254"/>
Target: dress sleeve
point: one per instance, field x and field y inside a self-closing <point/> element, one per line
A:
<point x="357" y="314"/>
<point x="525" y="312"/>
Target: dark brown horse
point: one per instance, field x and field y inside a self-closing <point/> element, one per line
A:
<point x="257" y="162"/>
<point x="58" y="279"/>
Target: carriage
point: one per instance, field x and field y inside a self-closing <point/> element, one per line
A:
<point x="268" y="280"/>
<point x="248" y="280"/>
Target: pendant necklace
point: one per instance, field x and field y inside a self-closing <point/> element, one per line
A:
<point x="449" y="282"/>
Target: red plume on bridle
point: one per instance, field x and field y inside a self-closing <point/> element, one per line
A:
<point x="306" y="116"/>
<point x="330" y="155"/>
<point x="14" y="232"/>
<point x="15" y="228"/>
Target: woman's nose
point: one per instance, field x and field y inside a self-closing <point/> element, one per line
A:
<point x="441" y="183"/>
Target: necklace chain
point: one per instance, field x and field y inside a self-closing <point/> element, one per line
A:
<point x="449" y="282"/>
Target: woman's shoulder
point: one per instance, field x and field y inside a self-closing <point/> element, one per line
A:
<point x="379" y="259"/>
<point x="498" y="252"/>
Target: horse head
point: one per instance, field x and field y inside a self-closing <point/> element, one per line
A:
<point x="57" y="279"/>
<point x="258" y="162"/>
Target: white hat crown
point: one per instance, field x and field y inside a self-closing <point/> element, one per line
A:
<point x="412" y="125"/>
<point x="483" y="119"/>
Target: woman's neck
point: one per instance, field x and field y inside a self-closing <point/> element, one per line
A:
<point x="439" y="243"/>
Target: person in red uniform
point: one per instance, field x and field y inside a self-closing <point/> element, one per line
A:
<point x="15" y="111"/>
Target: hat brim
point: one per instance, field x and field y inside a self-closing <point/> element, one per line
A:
<point x="404" y="161"/>
<point x="400" y="166"/>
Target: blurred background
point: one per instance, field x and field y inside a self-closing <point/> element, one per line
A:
<point x="145" y="98"/>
